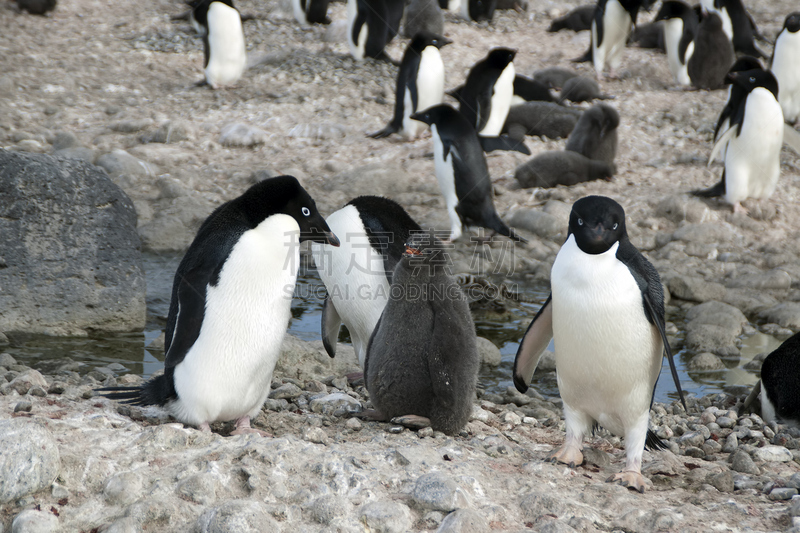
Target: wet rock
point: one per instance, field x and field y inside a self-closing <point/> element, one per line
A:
<point x="542" y="224"/>
<point x="717" y="314"/>
<point x="33" y="521"/>
<point x="772" y="454"/>
<point x="786" y="315"/>
<point x="242" y="135"/>
<point x="706" y="361"/>
<point x="742" y="462"/>
<point x="242" y="516"/>
<point x="488" y="352"/>
<point x="30" y="459"/>
<point x="464" y="521"/>
<point x="695" y="289"/>
<point x="386" y="517"/>
<point x="68" y="238"/>
<point x="337" y="404"/>
<point x="710" y="338"/>
<point x="437" y="491"/>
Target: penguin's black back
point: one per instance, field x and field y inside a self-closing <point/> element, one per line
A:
<point x="780" y="378"/>
<point x="744" y="28"/>
<point x="475" y="96"/>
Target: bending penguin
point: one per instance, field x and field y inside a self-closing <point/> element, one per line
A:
<point x="779" y="386"/>
<point x="613" y="20"/>
<point x="371" y="25"/>
<point x="606" y="316"/>
<point x="462" y="172"/>
<point x="230" y="307"/>
<point x="752" y="143"/>
<point x="420" y="84"/>
<point x="311" y="11"/>
<point x="220" y="24"/>
<point x="357" y="274"/>
<point x="680" y="26"/>
<point x="422" y="360"/>
<point x="784" y="64"/>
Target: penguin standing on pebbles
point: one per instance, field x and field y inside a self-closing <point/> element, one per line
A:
<point x="231" y="305"/>
<point x="311" y="11"/>
<point x="710" y="55"/>
<point x="606" y="316"/>
<point x="220" y="24"/>
<point x="680" y="24"/>
<point x="371" y="26"/>
<point x="613" y="20"/>
<point x="422" y="360"/>
<point x="784" y="64"/>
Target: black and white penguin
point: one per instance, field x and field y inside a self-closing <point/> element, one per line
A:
<point x="230" y="307"/>
<point x="220" y="24"/>
<point x="613" y="20"/>
<point x="752" y="143"/>
<point x="779" y="386"/>
<point x="736" y="94"/>
<point x="462" y="172"/>
<point x="595" y="134"/>
<point x="710" y="54"/>
<point x="371" y="26"/>
<point x="784" y="64"/>
<point x="358" y="273"/>
<point x="420" y="84"/>
<point x="606" y="316"/>
<point x="36" y="7"/>
<point x="550" y="169"/>
<point x="737" y="23"/>
<point x="680" y="25"/>
<point x="579" y="19"/>
<point x="311" y="11"/>
<point x="422" y="360"/>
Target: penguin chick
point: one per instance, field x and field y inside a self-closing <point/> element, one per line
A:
<point x="595" y="134"/>
<point x="550" y="169"/>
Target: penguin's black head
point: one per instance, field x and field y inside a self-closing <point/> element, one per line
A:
<point x="673" y="9"/>
<point x="753" y="79"/>
<point x="284" y="195"/>
<point x="746" y="63"/>
<point x="425" y="38"/>
<point x="792" y="22"/>
<point x="435" y="114"/>
<point x="500" y="57"/>
<point x="604" y="116"/>
<point x="597" y="222"/>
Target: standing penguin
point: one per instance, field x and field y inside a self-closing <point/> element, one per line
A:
<point x="711" y="54"/>
<point x="462" y="172"/>
<point x="422" y="360"/>
<point x="737" y="23"/>
<point x="311" y="11"/>
<point x="420" y="84"/>
<point x="680" y="26"/>
<point x="230" y="307"/>
<point x="752" y="143"/>
<point x="371" y="26"/>
<point x="36" y="7"/>
<point x="784" y="64"/>
<point x="736" y="95"/>
<point x="606" y="316"/>
<point x="357" y="275"/>
<point x="613" y="20"/>
<point x="595" y="134"/>
<point x="220" y="24"/>
<point x="779" y="386"/>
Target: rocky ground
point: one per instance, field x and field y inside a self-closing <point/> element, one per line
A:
<point x="113" y="85"/>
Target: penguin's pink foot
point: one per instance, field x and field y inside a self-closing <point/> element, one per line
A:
<point x="243" y="428"/>
<point x="633" y="479"/>
<point x="569" y="454"/>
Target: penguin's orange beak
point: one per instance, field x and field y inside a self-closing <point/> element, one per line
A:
<point x="410" y="252"/>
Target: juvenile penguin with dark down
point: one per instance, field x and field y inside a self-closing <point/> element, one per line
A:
<point x="422" y="360"/>
<point x="595" y="134"/>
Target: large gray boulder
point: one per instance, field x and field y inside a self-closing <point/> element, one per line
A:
<point x="29" y="461"/>
<point x="70" y="257"/>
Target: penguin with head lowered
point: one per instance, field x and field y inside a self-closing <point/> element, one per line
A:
<point x="486" y="97"/>
<point x="605" y="314"/>
<point x="462" y="172"/>
<point x="420" y="84"/>
<point x="220" y="24"/>
<point x="613" y="20"/>
<point x="311" y="11"/>
<point x="231" y="305"/>
<point x="752" y="143"/>
<point x="680" y="26"/>
<point x="357" y="274"/>
<point x="422" y="360"/>
<point x="371" y="26"/>
<point x="779" y="386"/>
<point x="784" y="64"/>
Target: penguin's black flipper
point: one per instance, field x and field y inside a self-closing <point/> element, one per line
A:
<point x="532" y="345"/>
<point x="331" y="323"/>
<point x="711" y="192"/>
<point x="587" y="57"/>
<point x="652" y="442"/>
<point x="658" y="319"/>
<point x="503" y="142"/>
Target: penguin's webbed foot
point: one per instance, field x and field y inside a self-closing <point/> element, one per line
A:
<point x="204" y="427"/>
<point x="738" y="208"/>
<point x="243" y="428"/>
<point x="371" y="414"/>
<point x="632" y="479"/>
<point x="567" y="454"/>
<point x="412" y="421"/>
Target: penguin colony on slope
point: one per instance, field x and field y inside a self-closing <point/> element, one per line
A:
<point x="416" y="343"/>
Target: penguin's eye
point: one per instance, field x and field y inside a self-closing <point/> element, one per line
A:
<point x="752" y="79"/>
<point x="580" y="222"/>
<point x="306" y="211"/>
<point x="615" y="226"/>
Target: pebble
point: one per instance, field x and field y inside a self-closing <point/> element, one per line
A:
<point x="24" y="406"/>
<point x="337" y="404"/>
<point x="742" y="462"/>
<point x="316" y="435"/>
<point x="30" y="459"/>
<point x="725" y="422"/>
<point x="386" y="517"/>
<point x="32" y="521"/>
<point x="438" y="492"/>
<point x="242" y="516"/>
<point x="773" y="454"/>
<point x="464" y="521"/>
<point x="782" y="493"/>
<point x="242" y="135"/>
<point x="287" y="391"/>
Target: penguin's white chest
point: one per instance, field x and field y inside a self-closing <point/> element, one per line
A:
<point x="430" y="90"/>
<point x="616" y="28"/>
<point x="356" y="43"/>
<point x="607" y="354"/>
<point x="228" y="371"/>
<point x="445" y="175"/>
<point x="752" y="160"/>
<point x="227" y="55"/>
<point x="354" y="277"/>
<point x="678" y="66"/>
<point x="502" y="94"/>
<point x="786" y="67"/>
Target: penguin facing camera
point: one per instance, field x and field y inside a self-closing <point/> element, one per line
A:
<point x="605" y="314"/>
<point x="422" y="360"/>
<point x="230" y="307"/>
<point x="613" y="20"/>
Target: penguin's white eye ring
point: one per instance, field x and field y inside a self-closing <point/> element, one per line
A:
<point x="752" y="79"/>
<point x="615" y="226"/>
<point x="580" y="222"/>
<point x="306" y="211"/>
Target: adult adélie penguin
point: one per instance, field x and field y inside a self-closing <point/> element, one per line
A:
<point x="784" y="64"/>
<point x="680" y="25"/>
<point x="751" y="145"/>
<point x="462" y="172"/>
<point x="225" y="56"/>
<point x="420" y="84"/>
<point x="605" y="314"/>
<point x="371" y="26"/>
<point x="613" y="20"/>
<point x="779" y="386"/>
<point x="231" y="305"/>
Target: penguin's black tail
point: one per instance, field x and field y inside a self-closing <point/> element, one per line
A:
<point x="497" y="224"/>
<point x="503" y="142"/>
<point x="586" y="57"/>
<point x="157" y="391"/>
<point x="711" y="192"/>
<point x="557" y="25"/>
<point x="652" y="442"/>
